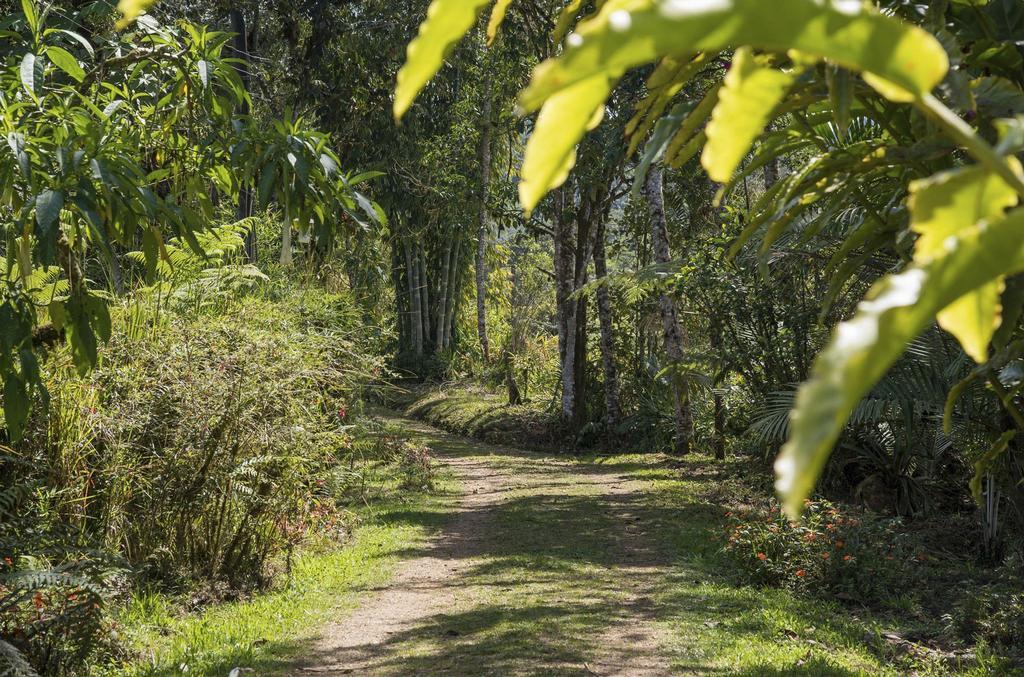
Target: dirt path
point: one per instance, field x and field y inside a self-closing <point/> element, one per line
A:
<point x="544" y="567"/>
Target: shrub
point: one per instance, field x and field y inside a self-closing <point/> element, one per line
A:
<point x="850" y="555"/>
<point x="192" y="457"/>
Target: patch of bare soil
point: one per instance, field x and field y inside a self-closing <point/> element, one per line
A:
<point x="377" y="638"/>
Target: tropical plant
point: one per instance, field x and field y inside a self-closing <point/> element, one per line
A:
<point x="795" y="63"/>
<point x="121" y="140"/>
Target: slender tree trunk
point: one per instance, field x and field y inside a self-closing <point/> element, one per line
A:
<point x="613" y="412"/>
<point x="401" y="299"/>
<point x="512" y="345"/>
<point x="424" y="291"/>
<point x="415" y="321"/>
<point x="565" y="308"/>
<point x="453" y="296"/>
<point x="482" y="227"/>
<point x="674" y="336"/>
<point x="240" y="49"/>
<point x="440" y="320"/>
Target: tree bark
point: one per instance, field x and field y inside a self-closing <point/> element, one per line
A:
<point x="484" y="153"/>
<point x="440" y="321"/>
<point x="613" y="411"/>
<point x="415" y="321"/>
<point x="562" y="235"/>
<point x="512" y="344"/>
<point x="424" y="291"/>
<point x="674" y="336"/>
<point x="453" y="296"/>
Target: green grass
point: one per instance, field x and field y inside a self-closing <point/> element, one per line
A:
<point x="266" y="632"/>
<point x="544" y="585"/>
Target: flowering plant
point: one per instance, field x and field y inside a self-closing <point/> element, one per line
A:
<point x="850" y="554"/>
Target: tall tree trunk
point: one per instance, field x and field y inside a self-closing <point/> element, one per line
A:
<point x="440" y="319"/>
<point x="240" y="50"/>
<point x="484" y="153"/>
<point x="512" y="344"/>
<point x="412" y="279"/>
<point x="401" y="299"/>
<point x="613" y="412"/>
<point x="562" y="234"/>
<point x="674" y="336"/>
<point x="421" y="262"/>
<point x="453" y="296"/>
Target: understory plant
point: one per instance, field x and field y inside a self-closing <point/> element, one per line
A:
<point x="835" y="551"/>
<point x="191" y="459"/>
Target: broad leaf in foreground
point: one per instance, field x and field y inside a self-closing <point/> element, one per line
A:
<point x="551" y="150"/>
<point x="905" y="59"/>
<point x="861" y="350"/>
<point x="447" y="21"/>
<point x="941" y="207"/>
<point x="745" y="105"/>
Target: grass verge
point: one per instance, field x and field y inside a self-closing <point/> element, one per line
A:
<point x="267" y="631"/>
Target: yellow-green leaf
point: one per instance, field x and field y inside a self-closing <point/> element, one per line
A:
<point x="565" y="19"/>
<point x="941" y="207"/>
<point x="447" y="21"/>
<point x="131" y="9"/>
<point x="750" y="94"/>
<point x="665" y="82"/>
<point x="64" y="60"/>
<point x="624" y="35"/>
<point x="984" y="464"/>
<point x="497" y="17"/>
<point x="862" y="349"/>
<point x="684" y="135"/>
<point x="562" y="122"/>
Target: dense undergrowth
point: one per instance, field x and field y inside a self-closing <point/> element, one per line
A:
<point x="220" y="435"/>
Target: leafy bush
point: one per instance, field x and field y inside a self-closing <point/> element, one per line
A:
<point x="192" y="456"/>
<point x="853" y="556"/>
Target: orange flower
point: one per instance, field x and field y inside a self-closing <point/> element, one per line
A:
<point x="847" y="558"/>
<point x="824" y="555"/>
<point x="801" y="573"/>
<point x="839" y="544"/>
<point x="811" y="536"/>
<point x="761" y="556"/>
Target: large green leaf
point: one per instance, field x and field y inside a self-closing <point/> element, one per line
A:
<point x="48" y="206"/>
<point x="551" y="150"/>
<point x="745" y="103"/>
<point x="31" y="72"/>
<point x="862" y="349"/>
<point x="624" y="35"/>
<point x="941" y="207"/>
<point x="64" y="60"/>
<point x="447" y="21"/>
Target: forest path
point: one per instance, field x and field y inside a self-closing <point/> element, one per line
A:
<point x="543" y="567"/>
